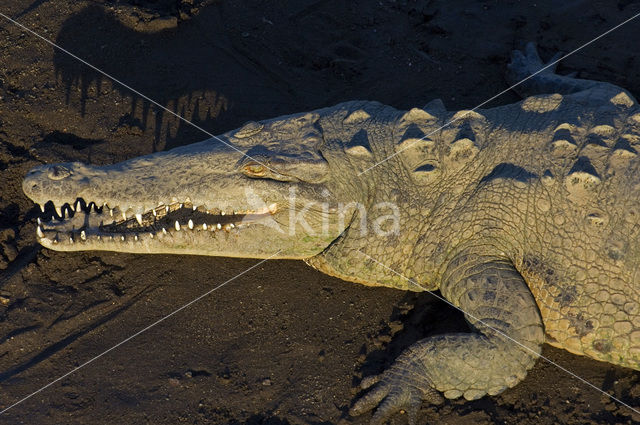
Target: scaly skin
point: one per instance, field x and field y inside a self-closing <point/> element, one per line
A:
<point x="525" y="217"/>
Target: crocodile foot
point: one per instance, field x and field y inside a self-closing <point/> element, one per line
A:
<point x="528" y="75"/>
<point x="526" y="63"/>
<point x="398" y="389"/>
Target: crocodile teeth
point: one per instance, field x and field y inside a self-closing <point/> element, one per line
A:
<point x="39" y="231"/>
<point x="77" y="206"/>
<point x="135" y="237"/>
<point x="42" y="207"/>
<point x="204" y="226"/>
<point x="219" y="226"/>
<point x="190" y="224"/>
<point x="154" y="212"/>
<point x="139" y="218"/>
<point x="111" y="212"/>
<point x="164" y="231"/>
<point x="177" y="225"/>
<point x="39" y="221"/>
<point x="59" y="212"/>
<point x="122" y="237"/>
<point x="124" y="216"/>
<point x="83" y="236"/>
<point x="71" y="239"/>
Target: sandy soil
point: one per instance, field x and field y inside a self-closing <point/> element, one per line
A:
<point x="281" y="344"/>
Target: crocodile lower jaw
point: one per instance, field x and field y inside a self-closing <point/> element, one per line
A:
<point x="85" y="222"/>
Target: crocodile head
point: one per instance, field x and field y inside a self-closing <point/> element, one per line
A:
<point x="261" y="189"/>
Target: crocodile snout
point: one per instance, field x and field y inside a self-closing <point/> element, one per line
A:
<point x="54" y="181"/>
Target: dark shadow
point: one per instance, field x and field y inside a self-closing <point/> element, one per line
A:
<point x="69" y="139"/>
<point x="33" y="6"/>
<point x="584" y="165"/>
<point x="203" y="72"/>
<point x="509" y="171"/>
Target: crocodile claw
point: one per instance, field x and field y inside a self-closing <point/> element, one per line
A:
<point x="528" y="62"/>
<point x="398" y="390"/>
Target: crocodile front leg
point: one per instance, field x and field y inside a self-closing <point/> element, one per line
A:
<point x="506" y="341"/>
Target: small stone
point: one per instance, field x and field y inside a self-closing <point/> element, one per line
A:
<point x="9" y="251"/>
<point x="6" y="234"/>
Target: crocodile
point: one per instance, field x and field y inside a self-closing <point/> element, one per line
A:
<point x="523" y="216"/>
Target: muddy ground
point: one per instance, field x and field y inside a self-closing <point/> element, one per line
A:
<point x="282" y="344"/>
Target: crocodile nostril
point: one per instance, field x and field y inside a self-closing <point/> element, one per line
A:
<point x="58" y="172"/>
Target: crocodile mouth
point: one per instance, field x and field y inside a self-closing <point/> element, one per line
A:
<point x="83" y="222"/>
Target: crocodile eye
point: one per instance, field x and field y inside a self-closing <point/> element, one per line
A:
<point x="254" y="169"/>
